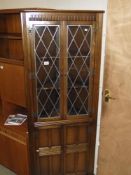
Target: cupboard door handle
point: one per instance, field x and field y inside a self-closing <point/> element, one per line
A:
<point x="1" y="67"/>
<point x="107" y="96"/>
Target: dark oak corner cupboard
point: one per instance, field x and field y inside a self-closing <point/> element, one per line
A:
<point x="49" y="70"/>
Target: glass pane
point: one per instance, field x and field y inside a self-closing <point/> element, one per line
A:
<point x="79" y="48"/>
<point x="47" y="54"/>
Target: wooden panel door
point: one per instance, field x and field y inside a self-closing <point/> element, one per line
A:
<point x="12" y="84"/>
<point x="63" y="149"/>
<point x="115" y="137"/>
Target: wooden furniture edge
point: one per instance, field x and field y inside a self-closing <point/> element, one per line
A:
<point x="13" y="135"/>
<point x="47" y="10"/>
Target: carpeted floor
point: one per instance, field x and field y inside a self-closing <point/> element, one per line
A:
<point x="5" y="171"/>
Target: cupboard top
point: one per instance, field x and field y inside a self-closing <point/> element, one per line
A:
<point x="47" y="10"/>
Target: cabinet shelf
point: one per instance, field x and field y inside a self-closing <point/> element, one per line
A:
<point x="49" y="88"/>
<point x="48" y="58"/>
<point x="11" y="109"/>
<point x="81" y="56"/>
<point x="53" y="88"/>
<point x="15" y="36"/>
<point x="12" y="61"/>
<point x="78" y="87"/>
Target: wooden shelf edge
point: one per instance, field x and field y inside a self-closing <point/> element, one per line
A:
<point x="7" y="132"/>
<point x="38" y="9"/>
<point x="12" y="61"/>
<point x="16" y="36"/>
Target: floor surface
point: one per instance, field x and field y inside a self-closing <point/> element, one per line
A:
<point x="5" y="171"/>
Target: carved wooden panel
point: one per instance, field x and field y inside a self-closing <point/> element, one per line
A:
<point x="62" y="17"/>
<point x="63" y="149"/>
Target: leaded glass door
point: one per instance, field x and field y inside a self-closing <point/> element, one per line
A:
<point x="79" y="68"/>
<point x="47" y="56"/>
<point x="70" y="70"/>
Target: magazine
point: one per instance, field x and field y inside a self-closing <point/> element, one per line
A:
<point x="15" y="119"/>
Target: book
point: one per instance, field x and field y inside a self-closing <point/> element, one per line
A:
<point x="15" y="119"/>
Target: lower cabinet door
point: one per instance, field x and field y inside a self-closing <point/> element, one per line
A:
<point x="63" y="150"/>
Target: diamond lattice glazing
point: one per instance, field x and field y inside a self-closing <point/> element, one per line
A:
<point x="47" y="54"/>
<point x="79" y="49"/>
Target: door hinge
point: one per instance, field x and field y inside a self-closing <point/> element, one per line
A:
<point x="92" y="72"/>
<point x="95" y="27"/>
<point x="29" y="29"/>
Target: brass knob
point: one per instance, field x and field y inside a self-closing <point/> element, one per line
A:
<point x="108" y="96"/>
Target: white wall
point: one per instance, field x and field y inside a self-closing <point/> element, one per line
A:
<point x="56" y="4"/>
<point x="78" y="5"/>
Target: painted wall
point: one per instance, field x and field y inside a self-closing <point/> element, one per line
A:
<point x="57" y="4"/>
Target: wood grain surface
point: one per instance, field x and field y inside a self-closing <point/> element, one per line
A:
<point x="115" y="139"/>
